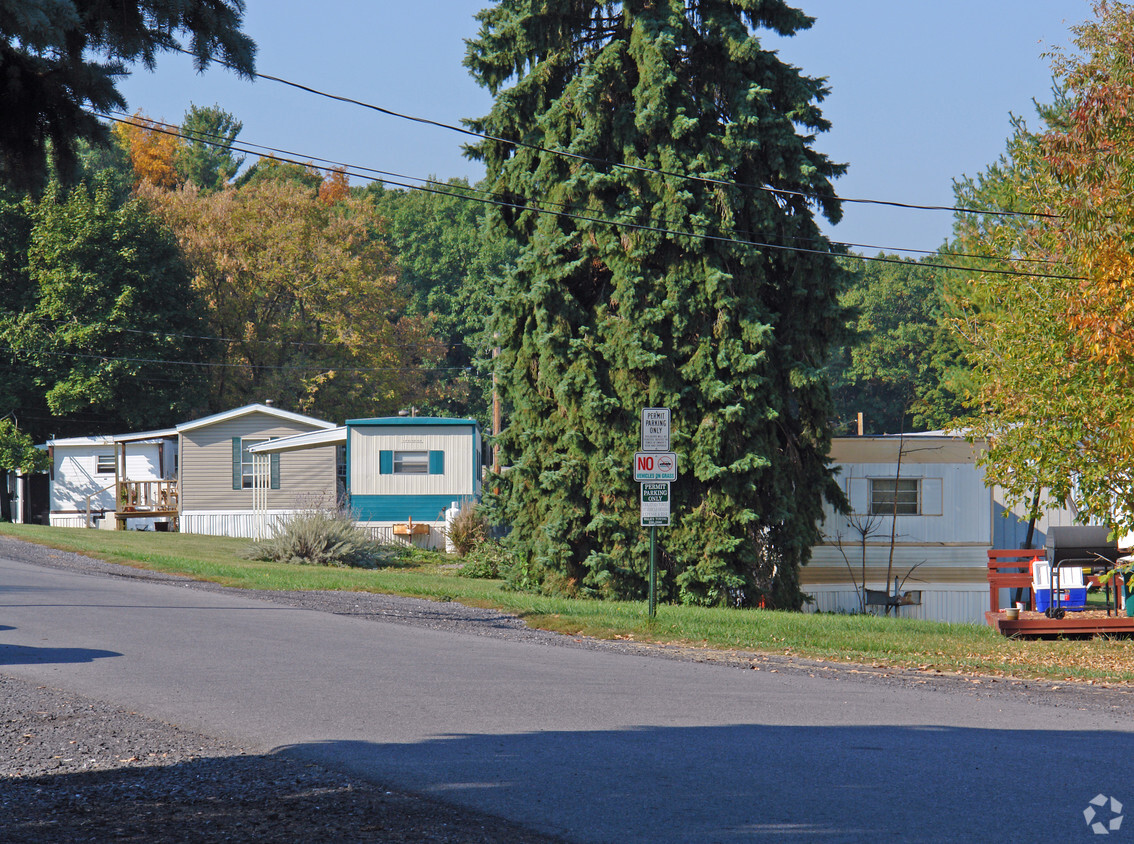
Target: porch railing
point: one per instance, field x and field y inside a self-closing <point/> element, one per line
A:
<point x="146" y="497"/>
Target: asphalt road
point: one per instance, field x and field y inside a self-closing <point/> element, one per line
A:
<point x="590" y="745"/>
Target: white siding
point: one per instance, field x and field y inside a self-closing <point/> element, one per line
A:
<point x="457" y="442"/>
<point x="956" y="506"/>
<point x="246" y="524"/>
<point x="384" y="532"/>
<point x="962" y="604"/>
<point x="75" y="476"/>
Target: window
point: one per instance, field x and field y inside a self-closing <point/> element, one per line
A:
<point x="243" y="468"/>
<point x="885" y="493"/>
<point x="411" y="462"/>
<point x="104" y="464"/>
<point x="247" y="470"/>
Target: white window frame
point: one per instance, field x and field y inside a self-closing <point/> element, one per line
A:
<point x="411" y="462"/>
<point x="101" y="467"/>
<point x="247" y="461"/>
<point x="883" y="504"/>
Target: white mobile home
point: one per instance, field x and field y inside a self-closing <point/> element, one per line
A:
<point x="947" y="519"/>
<point x="83" y="472"/>
<point x="403" y="473"/>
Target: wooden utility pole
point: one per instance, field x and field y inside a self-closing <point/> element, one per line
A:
<point x="495" y="416"/>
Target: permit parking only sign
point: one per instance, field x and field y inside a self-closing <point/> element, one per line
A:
<point x="655" y="429"/>
<point x="655" y="504"/>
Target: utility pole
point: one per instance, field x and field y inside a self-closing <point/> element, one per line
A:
<point x="495" y="413"/>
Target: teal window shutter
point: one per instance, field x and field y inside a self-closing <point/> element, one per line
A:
<point x="437" y="463"/>
<point x="385" y="462"/>
<point x="275" y="471"/>
<point x="237" y="481"/>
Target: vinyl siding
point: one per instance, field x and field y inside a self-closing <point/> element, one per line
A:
<point x="245" y="525"/>
<point x="76" y="475"/>
<point x="366" y="443"/>
<point x="955" y="503"/>
<point x="306" y="477"/>
<point x="957" y="605"/>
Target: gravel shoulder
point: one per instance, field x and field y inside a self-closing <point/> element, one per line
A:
<point x="77" y="769"/>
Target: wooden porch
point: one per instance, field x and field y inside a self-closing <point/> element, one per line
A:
<point x="148" y="499"/>
<point x="1035" y="625"/>
<point x="1011" y="569"/>
<point x="145" y="500"/>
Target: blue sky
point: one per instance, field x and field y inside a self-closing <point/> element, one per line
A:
<point x="921" y="92"/>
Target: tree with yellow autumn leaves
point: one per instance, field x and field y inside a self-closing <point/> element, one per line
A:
<point x="1050" y="339"/>
<point x="299" y="287"/>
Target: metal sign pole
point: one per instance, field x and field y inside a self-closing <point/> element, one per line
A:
<point x="653" y="573"/>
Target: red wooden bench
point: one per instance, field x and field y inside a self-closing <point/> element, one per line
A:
<point x="1000" y="559"/>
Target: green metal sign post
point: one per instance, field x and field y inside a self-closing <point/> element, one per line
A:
<point x="654" y="467"/>
<point x="653" y="573"/>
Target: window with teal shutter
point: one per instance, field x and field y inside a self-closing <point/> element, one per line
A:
<point x="243" y="466"/>
<point x="237" y="473"/>
<point x="437" y="463"/>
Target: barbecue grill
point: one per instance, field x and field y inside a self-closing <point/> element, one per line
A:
<point x="1086" y="546"/>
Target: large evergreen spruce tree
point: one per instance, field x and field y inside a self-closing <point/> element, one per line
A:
<point x="647" y="297"/>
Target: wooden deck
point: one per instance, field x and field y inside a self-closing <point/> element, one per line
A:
<point x="1011" y="569"/>
<point x="146" y="500"/>
<point x="1085" y="623"/>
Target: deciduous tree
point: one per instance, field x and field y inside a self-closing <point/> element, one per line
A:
<point x="1053" y="370"/>
<point x="110" y="327"/>
<point x="17" y="453"/>
<point x="303" y="295"/>
<point x="449" y="267"/>
<point x="153" y="149"/>
<point x="887" y="369"/>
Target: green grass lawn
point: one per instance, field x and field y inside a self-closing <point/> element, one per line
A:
<point x="872" y="640"/>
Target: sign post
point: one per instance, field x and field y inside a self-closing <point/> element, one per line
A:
<point x="655" y="466"/>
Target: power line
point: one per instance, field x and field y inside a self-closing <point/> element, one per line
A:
<point x="163" y="334"/>
<point x="215" y="365"/>
<point x="635" y="167"/>
<point x="535" y="208"/>
<point x="357" y="170"/>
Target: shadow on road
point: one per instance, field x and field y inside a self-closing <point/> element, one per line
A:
<point x="27" y="655"/>
<point x="767" y="783"/>
<point x="233" y="799"/>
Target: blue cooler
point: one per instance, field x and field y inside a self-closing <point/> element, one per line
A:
<point x="1069" y="599"/>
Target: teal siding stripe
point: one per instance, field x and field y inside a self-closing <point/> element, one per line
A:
<point x="398" y="508"/>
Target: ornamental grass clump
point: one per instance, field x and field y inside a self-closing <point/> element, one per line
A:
<point x="320" y="538"/>
<point x="469" y="529"/>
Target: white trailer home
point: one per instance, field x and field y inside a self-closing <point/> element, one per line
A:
<point x="946" y="520"/>
<point x="84" y="471"/>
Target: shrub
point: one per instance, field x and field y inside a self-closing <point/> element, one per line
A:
<point x="469" y="529"/>
<point x="320" y="538"/>
<point x="488" y="560"/>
